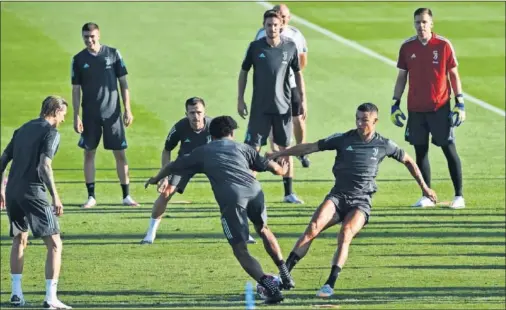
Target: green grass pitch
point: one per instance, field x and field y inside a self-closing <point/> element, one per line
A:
<point x="404" y="258"/>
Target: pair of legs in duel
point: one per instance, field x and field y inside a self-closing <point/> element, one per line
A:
<point x="353" y="214"/>
<point x="234" y="220"/>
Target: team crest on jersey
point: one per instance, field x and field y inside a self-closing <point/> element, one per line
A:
<point x="208" y="139"/>
<point x="108" y="62"/>
<point x="285" y="57"/>
<point x="435" y="57"/>
<point x="374" y="153"/>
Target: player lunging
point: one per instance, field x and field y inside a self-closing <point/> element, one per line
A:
<point x="359" y="153"/>
<point x="191" y="132"/>
<point x="228" y="166"/>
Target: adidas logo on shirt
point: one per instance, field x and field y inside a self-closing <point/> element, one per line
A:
<point x="86" y="66"/>
<point x="349" y="148"/>
<point x="261" y="55"/>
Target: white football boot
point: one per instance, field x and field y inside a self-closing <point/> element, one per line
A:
<point x="292" y="198"/>
<point x="424" y="202"/>
<point x="128" y="201"/>
<point x="90" y="203"/>
<point x="325" y="292"/>
<point x="458" y="203"/>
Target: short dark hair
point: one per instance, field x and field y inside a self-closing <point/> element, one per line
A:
<point x="272" y="13"/>
<point x="51" y="104"/>
<point x="194" y="101"/>
<point x="90" y="27"/>
<point x="222" y="126"/>
<point x="367" y="107"/>
<point x="421" y="11"/>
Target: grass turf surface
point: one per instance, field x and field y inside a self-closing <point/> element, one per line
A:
<point x="404" y="258"/>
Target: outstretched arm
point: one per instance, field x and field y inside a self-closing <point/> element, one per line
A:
<point x="417" y="175"/>
<point x="297" y="150"/>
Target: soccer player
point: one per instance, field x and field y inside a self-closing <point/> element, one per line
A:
<point x="359" y="153"/>
<point x="299" y="116"/>
<point x="271" y="58"/>
<point x="191" y="132"/>
<point x="228" y="166"/>
<point x="430" y="62"/>
<point x="96" y="71"/>
<point x="32" y="149"/>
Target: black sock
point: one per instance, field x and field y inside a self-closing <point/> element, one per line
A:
<point x="422" y="161"/>
<point x="283" y="270"/>
<point x="292" y="260"/>
<point x="334" y="274"/>
<point x="454" y="166"/>
<point x="266" y="281"/>
<point x="91" y="189"/>
<point x="125" y="190"/>
<point x="287" y="182"/>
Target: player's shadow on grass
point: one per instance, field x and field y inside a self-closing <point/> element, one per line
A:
<point x="403" y="293"/>
<point x="501" y="254"/>
<point x="452" y="243"/>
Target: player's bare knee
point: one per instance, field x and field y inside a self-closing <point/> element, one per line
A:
<point x="89" y="155"/>
<point x="169" y="192"/>
<point x="120" y="156"/>
<point x="346" y="234"/>
<point x="313" y="230"/>
<point x="53" y="243"/>
<point x="20" y="240"/>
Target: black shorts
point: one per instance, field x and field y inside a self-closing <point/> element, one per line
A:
<point x="112" y="129"/>
<point x="260" y="126"/>
<point x="35" y="213"/>
<point x="296" y="102"/>
<point x="234" y="219"/>
<point x="179" y="181"/>
<point x="346" y="203"/>
<point x="437" y="123"/>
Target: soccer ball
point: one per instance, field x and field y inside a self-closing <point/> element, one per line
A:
<point x="262" y="291"/>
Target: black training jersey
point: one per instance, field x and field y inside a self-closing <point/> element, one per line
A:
<point x="34" y="138"/>
<point x="98" y="77"/>
<point x="357" y="162"/>
<point x="183" y="133"/>
<point x="271" y="85"/>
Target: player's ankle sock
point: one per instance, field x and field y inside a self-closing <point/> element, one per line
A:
<point x="292" y="260"/>
<point x="455" y="167"/>
<point x="266" y="281"/>
<point x="283" y="270"/>
<point x="334" y="274"/>
<point x="153" y="227"/>
<point x="91" y="189"/>
<point x="287" y="182"/>
<point x="51" y="287"/>
<point x="16" y="284"/>
<point x="125" y="189"/>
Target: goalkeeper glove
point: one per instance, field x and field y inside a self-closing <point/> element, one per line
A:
<point x="458" y="114"/>
<point x="396" y="113"/>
